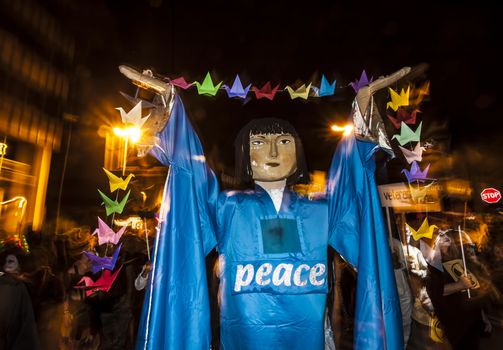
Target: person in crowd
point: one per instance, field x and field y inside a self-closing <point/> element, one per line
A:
<point x="18" y="329"/>
<point x="141" y="280"/>
<point x="402" y="284"/>
<point x="425" y="332"/>
<point x="460" y="314"/>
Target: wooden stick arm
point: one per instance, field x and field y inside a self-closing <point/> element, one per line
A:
<point x="160" y="107"/>
<point x="367" y="121"/>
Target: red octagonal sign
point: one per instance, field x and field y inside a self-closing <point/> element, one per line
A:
<point x="490" y="195"/>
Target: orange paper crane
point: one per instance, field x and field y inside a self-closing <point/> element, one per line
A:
<point x="417" y="94"/>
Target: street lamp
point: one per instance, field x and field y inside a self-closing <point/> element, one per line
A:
<point x="132" y="133"/>
<point x="346" y="129"/>
<point x="129" y="133"/>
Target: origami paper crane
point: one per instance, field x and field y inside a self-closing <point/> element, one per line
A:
<point x="425" y="230"/>
<point x="237" y="89"/>
<point x="99" y="263"/>
<point x="415" y="155"/>
<point x="133" y="116"/>
<point x="358" y="84"/>
<point x="325" y="89"/>
<point x="302" y="92"/>
<point x="398" y="100"/>
<point x="103" y="283"/>
<point x="181" y="83"/>
<point x="417" y="94"/>
<point x="265" y="91"/>
<point x="403" y="116"/>
<point x="112" y="206"/>
<point x="207" y="87"/>
<point x="407" y="135"/>
<point x="106" y="234"/>
<point x="415" y="173"/>
<point x="418" y="193"/>
<point x="117" y="182"/>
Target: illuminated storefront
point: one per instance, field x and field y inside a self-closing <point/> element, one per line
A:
<point x="36" y="61"/>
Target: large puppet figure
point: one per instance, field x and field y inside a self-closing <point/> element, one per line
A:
<point x="272" y="242"/>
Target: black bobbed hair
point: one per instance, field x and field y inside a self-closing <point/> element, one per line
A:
<point x="243" y="168"/>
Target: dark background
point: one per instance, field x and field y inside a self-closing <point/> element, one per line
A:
<point x="286" y="43"/>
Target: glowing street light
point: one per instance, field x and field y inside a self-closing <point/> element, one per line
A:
<point x="346" y="129"/>
<point x="132" y="133"/>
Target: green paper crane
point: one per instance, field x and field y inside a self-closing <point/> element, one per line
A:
<point x="207" y="87"/>
<point x="112" y="206"/>
<point x="407" y="135"/>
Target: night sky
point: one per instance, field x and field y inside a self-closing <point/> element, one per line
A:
<point x="286" y="43"/>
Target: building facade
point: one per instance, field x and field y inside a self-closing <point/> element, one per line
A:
<point x="36" y="66"/>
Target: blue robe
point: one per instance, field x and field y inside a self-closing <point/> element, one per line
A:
<point x="272" y="269"/>
<point x="272" y="265"/>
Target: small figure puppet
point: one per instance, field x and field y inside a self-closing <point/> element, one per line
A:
<point x="272" y="242"/>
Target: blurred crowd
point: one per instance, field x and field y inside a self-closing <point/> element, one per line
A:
<point x="49" y="306"/>
<point x="450" y="285"/>
<point x="450" y="289"/>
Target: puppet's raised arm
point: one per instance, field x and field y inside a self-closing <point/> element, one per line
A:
<point x="176" y="312"/>
<point x="356" y="225"/>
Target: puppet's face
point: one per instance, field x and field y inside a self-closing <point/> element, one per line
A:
<point x="11" y="264"/>
<point x="272" y="156"/>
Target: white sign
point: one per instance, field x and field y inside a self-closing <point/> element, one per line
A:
<point x="398" y="197"/>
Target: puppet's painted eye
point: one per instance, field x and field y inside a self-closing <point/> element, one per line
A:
<point x="257" y="142"/>
<point x="284" y="141"/>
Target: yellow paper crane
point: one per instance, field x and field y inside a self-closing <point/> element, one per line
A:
<point x="425" y="230"/>
<point x="398" y="100"/>
<point x="417" y="194"/>
<point x="302" y="92"/>
<point x="117" y="182"/>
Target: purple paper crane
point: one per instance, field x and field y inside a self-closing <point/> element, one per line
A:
<point x="99" y="263"/>
<point x="237" y="89"/>
<point x="415" y="173"/>
<point x="106" y="234"/>
<point x="364" y="81"/>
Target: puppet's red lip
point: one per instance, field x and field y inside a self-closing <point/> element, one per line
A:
<point x="272" y="164"/>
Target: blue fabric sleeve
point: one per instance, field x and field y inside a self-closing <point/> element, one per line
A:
<point x="176" y="313"/>
<point x="179" y="147"/>
<point x="357" y="232"/>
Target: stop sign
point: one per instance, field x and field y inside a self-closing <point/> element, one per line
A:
<point x="490" y="195"/>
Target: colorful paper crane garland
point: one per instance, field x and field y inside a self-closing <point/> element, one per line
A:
<point x="104" y="265"/>
<point x="303" y="91"/>
<point x="237" y="90"/>
<point x="404" y="107"/>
